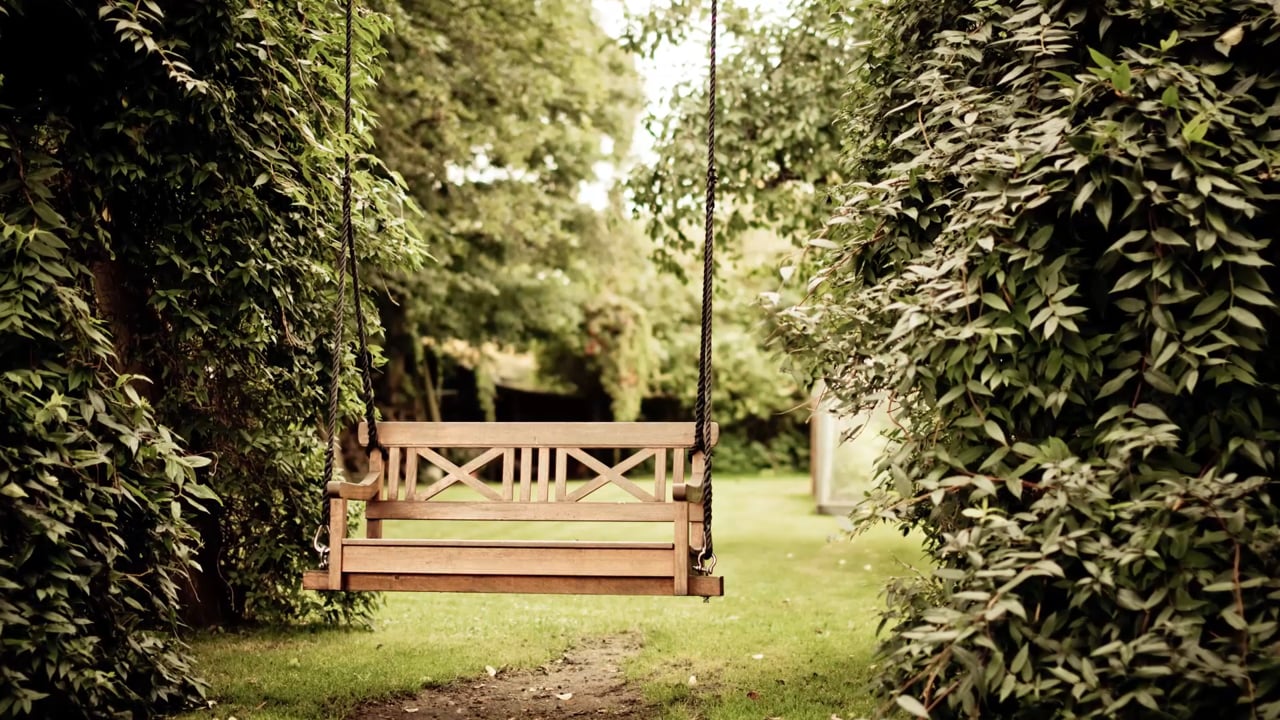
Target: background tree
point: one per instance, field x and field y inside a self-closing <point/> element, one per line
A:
<point x="497" y="114"/>
<point x="1056" y="258"/>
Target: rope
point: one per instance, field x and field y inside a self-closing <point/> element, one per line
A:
<point x="346" y="259"/>
<point x="702" y="411"/>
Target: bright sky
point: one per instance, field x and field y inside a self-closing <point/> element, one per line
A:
<point x="683" y="63"/>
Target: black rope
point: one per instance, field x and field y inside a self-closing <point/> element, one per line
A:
<point x="346" y="259"/>
<point x="702" y="411"/>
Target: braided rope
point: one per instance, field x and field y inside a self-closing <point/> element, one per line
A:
<point x="345" y="258"/>
<point x="702" y="411"/>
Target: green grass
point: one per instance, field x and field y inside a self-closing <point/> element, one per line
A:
<point x="808" y="604"/>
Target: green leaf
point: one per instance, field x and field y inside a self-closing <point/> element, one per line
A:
<point x="912" y="706"/>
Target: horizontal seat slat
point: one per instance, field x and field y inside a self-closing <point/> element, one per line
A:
<point x="535" y="560"/>
<point x="584" y="544"/>
<point x="562" y="511"/>
<point x="536" y="434"/>
<point x="699" y="586"/>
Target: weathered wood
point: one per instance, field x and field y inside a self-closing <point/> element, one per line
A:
<point x="687" y="493"/>
<point x="471" y="543"/>
<point x="403" y="559"/>
<point x="367" y="489"/>
<point x="681" y="550"/>
<point x="337" y="534"/>
<point x="536" y="434"/>
<point x="562" y="473"/>
<point x="455" y="474"/>
<point x="552" y="512"/>
<point x="393" y="474"/>
<point x="660" y="476"/>
<point x="526" y="474"/>
<point x="411" y="475"/>
<point x="544" y="473"/>
<point x="699" y="586"/>
<point x="508" y="473"/>
<point x="610" y="474"/>
<point x="373" y="528"/>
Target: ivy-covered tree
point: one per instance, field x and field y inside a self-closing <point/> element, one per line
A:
<point x="168" y="214"/>
<point x="1056" y="260"/>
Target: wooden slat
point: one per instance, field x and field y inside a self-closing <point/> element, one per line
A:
<point x="508" y="473"/>
<point x="526" y="474"/>
<point x="455" y="474"/>
<point x="367" y="489"/>
<point x="553" y="512"/>
<point x="411" y="476"/>
<point x="390" y="543"/>
<point x="337" y="533"/>
<point x="677" y="466"/>
<point x="562" y="474"/>
<point x="610" y="474"/>
<point x="373" y="528"/>
<point x="699" y="586"/>
<point x="544" y="473"/>
<point x="660" y="475"/>
<point x="680" y="554"/>
<point x="536" y="434"/>
<point x="415" y="560"/>
<point x="393" y="474"/>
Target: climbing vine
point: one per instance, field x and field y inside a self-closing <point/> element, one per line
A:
<point x="1058" y="263"/>
<point x="168" y="206"/>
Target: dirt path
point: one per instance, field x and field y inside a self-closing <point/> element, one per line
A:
<point x="586" y="682"/>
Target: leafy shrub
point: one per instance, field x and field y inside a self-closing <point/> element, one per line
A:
<point x="94" y="494"/>
<point x="168" y="208"/>
<point x="1059" y="261"/>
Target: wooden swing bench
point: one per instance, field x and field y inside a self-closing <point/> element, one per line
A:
<point x="534" y="461"/>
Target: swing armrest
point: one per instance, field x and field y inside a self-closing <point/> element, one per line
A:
<point x="366" y="489"/>
<point x="682" y="492"/>
<point x="691" y="492"/>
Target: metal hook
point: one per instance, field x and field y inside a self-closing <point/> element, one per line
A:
<point x="321" y="549"/>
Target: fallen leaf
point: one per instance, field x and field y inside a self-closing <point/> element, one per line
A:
<point x="411" y="710"/>
<point x="564" y="696"/>
<point x="693" y="680"/>
<point x="835" y="717"/>
<point x="493" y="671"/>
<point x="753" y="695"/>
<point x="758" y="656"/>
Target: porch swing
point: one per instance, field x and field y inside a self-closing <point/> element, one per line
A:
<point x="533" y="461"/>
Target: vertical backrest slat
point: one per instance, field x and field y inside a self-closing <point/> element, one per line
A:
<point x="544" y="473"/>
<point x="660" y="474"/>
<point x="508" y="474"/>
<point x="411" y="475"/>
<point x="677" y="466"/>
<point x="393" y="474"/>
<point x="562" y="474"/>
<point x="526" y="473"/>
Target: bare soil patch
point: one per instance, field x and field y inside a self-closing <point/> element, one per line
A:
<point x="586" y="682"/>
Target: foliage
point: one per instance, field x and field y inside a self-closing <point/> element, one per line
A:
<point x="1057" y="260"/>
<point x="778" y="143"/>
<point x="94" y="494"/>
<point x="192" y="156"/>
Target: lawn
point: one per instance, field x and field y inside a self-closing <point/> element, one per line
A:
<point x="793" y="638"/>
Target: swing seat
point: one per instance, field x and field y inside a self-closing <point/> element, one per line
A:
<point x="534" y="460"/>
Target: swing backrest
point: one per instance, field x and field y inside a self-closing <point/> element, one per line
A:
<point x="531" y="481"/>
